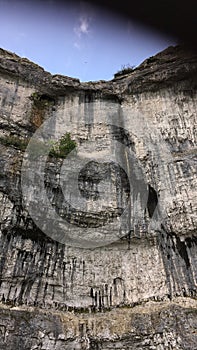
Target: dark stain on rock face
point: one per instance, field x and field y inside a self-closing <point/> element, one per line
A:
<point x="121" y="135"/>
<point x="34" y="233"/>
<point x="178" y="257"/>
<point x="92" y="176"/>
<point x="93" y="173"/>
<point x="172" y="244"/>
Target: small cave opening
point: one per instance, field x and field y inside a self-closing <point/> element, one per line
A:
<point x="40" y="100"/>
<point x="46" y="98"/>
<point x="152" y="200"/>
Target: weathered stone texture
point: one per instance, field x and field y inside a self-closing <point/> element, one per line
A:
<point x="164" y="326"/>
<point x="151" y="114"/>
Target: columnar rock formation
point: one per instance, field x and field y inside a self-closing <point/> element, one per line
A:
<point x="98" y="249"/>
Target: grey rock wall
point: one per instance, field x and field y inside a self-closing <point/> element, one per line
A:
<point x="163" y="326"/>
<point x="98" y="250"/>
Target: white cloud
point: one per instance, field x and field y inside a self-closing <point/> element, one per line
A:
<point x="77" y="45"/>
<point x="83" y="27"/>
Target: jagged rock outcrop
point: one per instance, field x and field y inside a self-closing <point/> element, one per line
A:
<point x="98" y="249"/>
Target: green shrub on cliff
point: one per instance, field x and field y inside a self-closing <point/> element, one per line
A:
<point x="63" y="147"/>
<point x="59" y="149"/>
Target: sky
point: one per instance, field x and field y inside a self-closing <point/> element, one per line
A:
<point x="76" y="39"/>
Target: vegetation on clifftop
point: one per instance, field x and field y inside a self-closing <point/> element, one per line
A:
<point x="125" y="69"/>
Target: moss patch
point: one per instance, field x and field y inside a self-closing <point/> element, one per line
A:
<point x="15" y="141"/>
<point x="59" y="149"/>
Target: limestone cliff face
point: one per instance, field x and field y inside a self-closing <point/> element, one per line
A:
<point x="98" y="250"/>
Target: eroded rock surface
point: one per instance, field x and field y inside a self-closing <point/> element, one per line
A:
<point x="98" y="250"/>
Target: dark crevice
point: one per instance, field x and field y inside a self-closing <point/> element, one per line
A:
<point x="152" y="201"/>
<point x="182" y="250"/>
<point x="177" y="258"/>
